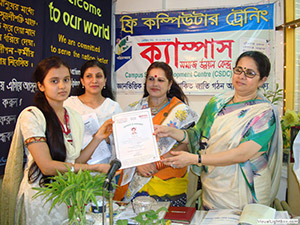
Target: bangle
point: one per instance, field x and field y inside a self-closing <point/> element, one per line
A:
<point x="73" y="168"/>
<point x="159" y="165"/>
<point x="184" y="137"/>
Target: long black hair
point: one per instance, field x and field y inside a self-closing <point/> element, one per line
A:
<point x="175" y="90"/>
<point x="106" y="90"/>
<point x="54" y="134"/>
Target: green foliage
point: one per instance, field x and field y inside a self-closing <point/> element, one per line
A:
<point x="147" y="218"/>
<point x="274" y="96"/>
<point x="76" y="190"/>
<point x="122" y="222"/>
<point x="289" y="120"/>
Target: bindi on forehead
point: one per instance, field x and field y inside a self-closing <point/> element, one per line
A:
<point x="157" y="76"/>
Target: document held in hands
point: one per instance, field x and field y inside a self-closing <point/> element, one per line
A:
<point x="135" y="143"/>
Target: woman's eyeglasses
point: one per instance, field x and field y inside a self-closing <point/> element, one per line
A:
<point x="248" y="72"/>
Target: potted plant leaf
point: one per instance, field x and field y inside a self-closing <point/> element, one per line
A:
<point x="149" y="217"/>
<point x="76" y="190"/>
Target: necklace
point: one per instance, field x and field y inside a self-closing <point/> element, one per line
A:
<point x="156" y="109"/>
<point x="65" y="128"/>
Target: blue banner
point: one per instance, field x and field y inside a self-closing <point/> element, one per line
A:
<point x="258" y="17"/>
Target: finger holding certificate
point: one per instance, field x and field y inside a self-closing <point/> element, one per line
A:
<point x="134" y="140"/>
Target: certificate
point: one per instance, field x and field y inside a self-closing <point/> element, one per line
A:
<point x="134" y="140"/>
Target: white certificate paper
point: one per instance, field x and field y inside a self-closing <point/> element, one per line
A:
<point x="135" y="143"/>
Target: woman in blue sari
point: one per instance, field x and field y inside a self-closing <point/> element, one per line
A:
<point x="236" y="145"/>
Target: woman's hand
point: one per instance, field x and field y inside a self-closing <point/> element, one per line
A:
<point x="104" y="168"/>
<point x="146" y="170"/>
<point x="180" y="159"/>
<point x="105" y="130"/>
<point x="165" y="131"/>
<point x="162" y="130"/>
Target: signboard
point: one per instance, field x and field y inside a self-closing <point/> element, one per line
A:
<point x="200" y="45"/>
<point x="31" y="30"/>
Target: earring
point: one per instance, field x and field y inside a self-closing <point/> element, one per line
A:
<point x="82" y="87"/>
<point x="104" y="86"/>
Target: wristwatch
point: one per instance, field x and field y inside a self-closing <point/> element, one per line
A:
<point x="199" y="160"/>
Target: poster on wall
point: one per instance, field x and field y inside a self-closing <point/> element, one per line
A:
<point x="201" y="45"/>
<point x="31" y="30"/>
<point x="78" y="31"/>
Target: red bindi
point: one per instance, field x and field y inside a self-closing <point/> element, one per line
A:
<point x="155" y="75"/>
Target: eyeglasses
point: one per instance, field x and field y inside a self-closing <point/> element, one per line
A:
<point x="248" y="72"/>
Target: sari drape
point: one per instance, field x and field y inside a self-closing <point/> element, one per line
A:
<point x="236" y="185"/>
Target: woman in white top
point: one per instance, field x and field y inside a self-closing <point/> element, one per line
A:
<point x="94" y="103"/>
<point x="51" y="137"/>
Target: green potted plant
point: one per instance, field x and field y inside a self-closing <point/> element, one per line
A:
<point x="290" y="120"/>
<point x="149" y="217"/>
<point x="275" y="96"/>
<point x="76" y="190"/>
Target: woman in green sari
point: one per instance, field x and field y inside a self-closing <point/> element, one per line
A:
<point x="236" y="145"/>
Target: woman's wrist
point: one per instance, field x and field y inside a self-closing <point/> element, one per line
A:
<point x="159" y="165"/>
<point x="199" y="159"/>
<point x="99" y="139"/>
<point x="184" y="137"/>
<point x="72" y="167"/>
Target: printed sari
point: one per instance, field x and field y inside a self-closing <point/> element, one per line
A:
<point x="224" y="126"/>
<point x="168" y="183"/>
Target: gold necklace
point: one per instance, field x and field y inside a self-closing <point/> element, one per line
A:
<point x="156" y="109"/>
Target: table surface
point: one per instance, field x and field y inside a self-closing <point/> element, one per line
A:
<point x="197" y="219"/>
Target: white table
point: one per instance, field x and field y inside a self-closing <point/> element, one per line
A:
<point x="197" y="219"/>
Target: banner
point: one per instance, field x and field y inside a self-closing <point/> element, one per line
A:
<point x="200" y="45"/>
<point x="78" y="31"/>
<point x="31" y="30"/>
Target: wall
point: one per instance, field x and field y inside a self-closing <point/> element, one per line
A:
<point x="197" y="102"/>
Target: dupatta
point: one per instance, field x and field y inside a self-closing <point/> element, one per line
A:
<point x="14" y="165"/>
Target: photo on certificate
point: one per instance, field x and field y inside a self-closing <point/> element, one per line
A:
<point x="135" y="143"/>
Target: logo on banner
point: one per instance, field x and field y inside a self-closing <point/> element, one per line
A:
<point x="123" y="51"/>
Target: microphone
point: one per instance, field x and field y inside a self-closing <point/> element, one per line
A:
<point x="114" y="166"/>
